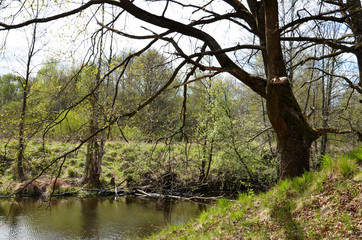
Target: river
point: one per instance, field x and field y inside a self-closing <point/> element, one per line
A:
<point x="91" y="218"/>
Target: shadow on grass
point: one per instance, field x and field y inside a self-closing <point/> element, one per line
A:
<point x="282" y="215"/>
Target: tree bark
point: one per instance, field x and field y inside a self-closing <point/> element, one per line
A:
<point x="92" y="168"/>
<point x="359" y="61"/>
<point x="355" y="23"/>
<point x="294" y="135"/>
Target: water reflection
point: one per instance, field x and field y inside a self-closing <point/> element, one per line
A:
<point x="167" y="211"/>
<point x="91" y="218"/>
<point x="88" y="208"/>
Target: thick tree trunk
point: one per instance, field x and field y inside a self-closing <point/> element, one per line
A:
<point x="294" y="135"/>
<point x="359" y="60"/>
<point x="355" y="23"/>
<point x="294" y="156"/>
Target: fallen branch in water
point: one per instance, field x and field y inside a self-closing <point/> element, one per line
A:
<point x="157" y="195"/>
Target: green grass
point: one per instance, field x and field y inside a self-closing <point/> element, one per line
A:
<point x="318" y="205"/>
<point x="139" y="163"/>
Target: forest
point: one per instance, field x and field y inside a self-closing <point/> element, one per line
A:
<point x="174" y="98"/>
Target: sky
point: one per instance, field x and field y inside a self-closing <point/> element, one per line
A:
<point x="69" y="39"/>
<point x="59" y="39"/>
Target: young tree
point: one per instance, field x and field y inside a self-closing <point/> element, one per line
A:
<point x="25" y="87"/>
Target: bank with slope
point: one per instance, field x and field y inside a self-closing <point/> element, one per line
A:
<point x="319" y="205"/>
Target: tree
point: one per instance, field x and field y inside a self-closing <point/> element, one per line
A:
<point x="351" y="11"/>
<point x="143" y="77"/>
<point x="223" y="124"/>
<point x="8" y="88"/>
<point x="92" y="169"/>
<point x="260" y="22"/>
<point x="204" y="107"/>
<point x="25" y="87"/>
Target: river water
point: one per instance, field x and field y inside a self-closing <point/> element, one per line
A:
<point x="91" y="218"/>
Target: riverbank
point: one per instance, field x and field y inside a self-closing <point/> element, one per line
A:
<point x="129" y="168"/>
<point x="319" y="205"/>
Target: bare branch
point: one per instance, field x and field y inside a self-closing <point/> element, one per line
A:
<point x="330" y="42"/>
<point x="194" y="80"/>
<point x="334" y="54"/>
<point x="350" y="83"/>
<point x="321" y="16"/>
<point x="51" y="18"/>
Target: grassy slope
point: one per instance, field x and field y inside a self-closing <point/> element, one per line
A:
<point x="320" y="205"/>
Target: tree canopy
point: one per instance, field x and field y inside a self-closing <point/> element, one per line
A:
<point x="279" y="50"/>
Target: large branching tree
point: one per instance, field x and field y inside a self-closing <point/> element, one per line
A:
<point x="256" y="25"/>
